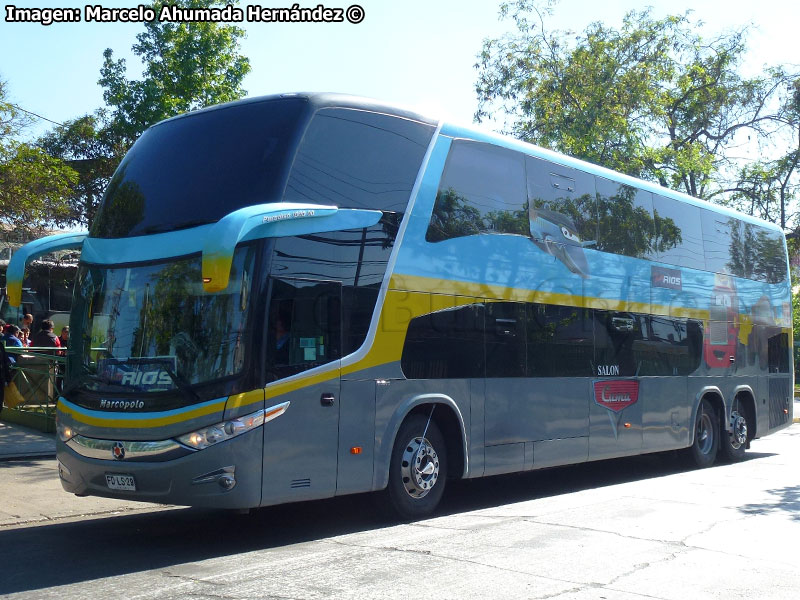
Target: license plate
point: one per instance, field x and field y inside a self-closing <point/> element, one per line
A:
<point x="121" y="482"/>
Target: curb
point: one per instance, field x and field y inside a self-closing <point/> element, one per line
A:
<point x="28" y="456"/>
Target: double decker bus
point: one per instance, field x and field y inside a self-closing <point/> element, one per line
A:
<point x="303" y="296"/>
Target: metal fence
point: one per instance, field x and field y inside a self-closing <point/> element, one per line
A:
<point x="38" y="374"/>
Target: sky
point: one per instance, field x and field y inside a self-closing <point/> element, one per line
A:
<point x="417" y="53"/>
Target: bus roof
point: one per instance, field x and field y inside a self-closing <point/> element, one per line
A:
<point x="319" y="100"/>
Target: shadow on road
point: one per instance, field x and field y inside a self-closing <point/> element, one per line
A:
<point x="44" y="556"/>
<point x="787" y="501"/>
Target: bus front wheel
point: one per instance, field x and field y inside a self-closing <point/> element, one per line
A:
<point x="418" y="468"/>
<point x="703" y="450"/>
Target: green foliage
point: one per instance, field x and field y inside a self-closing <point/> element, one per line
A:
<point x="766" y="188"/>
<point x="186" y="66"/>
<point x="33" y="185"/>
<point x="651" y="98"/>
<point x="86" y="144"/>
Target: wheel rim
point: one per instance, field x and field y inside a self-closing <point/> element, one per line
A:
<point x="420" y="467"/>
<point x="705" y="434"/>
<point x="738" y="427"/>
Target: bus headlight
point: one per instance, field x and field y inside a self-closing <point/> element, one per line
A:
<point x="208" y="436"/>
<point x="65" y="432"/>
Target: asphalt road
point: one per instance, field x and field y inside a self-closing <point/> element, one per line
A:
<point x="646" y="527"/>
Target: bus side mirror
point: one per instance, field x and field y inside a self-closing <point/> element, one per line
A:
<point x="32" y="250"/>
<point x="278" y="219"/>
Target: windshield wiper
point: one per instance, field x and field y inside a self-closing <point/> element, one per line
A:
<point x="183" y="386"/>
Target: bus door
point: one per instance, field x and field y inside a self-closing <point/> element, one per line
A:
<point x="303" y="368"/>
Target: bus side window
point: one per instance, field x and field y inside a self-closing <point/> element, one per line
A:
<point x="505" y="339"/>
<point x="563" y="198"/>
<point x="559" y="341"/>
<point x="723" y="244"/>
<point x="447" y="344"/>
<point x="358" y="159"/>
<point x="679" y="238"/>
<point x="765" y="250"/>
<point x="615" y="334"/>
<point x="304" y="326"/>
<point x="625" y="219"/>
<point x="482" y="191"/>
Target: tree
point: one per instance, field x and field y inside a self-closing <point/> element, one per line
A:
<point x="33" y="185"/>
<point x="88" y="147"/>
<point x="765" y="188"/>
<point x="186" y="66"/>
<point x="652" y="99"/>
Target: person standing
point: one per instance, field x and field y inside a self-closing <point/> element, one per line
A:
<point x="45" y="338"/>
<point x="11" y="337"/>
<point x="5" y="374"/>
<point x="64" y="337"/>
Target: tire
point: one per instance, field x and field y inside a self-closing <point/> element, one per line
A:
<point x="703" y="450"/>
<point x="418" y="469"/>
<point x="734" y="444"/>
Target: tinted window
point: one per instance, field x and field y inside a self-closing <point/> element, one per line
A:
<point x="743" y="249"/>
<point x="200" y="167"/>
<point x="559" y="341"/>
<point x="625" y="219"/>
<point x="668" y="346"/>
<point x="445" y="344"/>
<point x="357" y="258"/>
<point x="563" y="204"/>
<point x="679" y="239"/>
<point x="778" y="353"/>
<point x="505" y="340"/>
<point x="358" y="159"/>
<point x="614" y="336"/>
<point x="766" y="252"/>
<point x="482" y="191"/>
<point x="304" y="326"/>
<point x="722" y="242"/>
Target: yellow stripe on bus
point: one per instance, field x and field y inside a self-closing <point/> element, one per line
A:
<point x="135" y="422"/>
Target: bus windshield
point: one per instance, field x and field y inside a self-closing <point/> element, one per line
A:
<point x="202" y="166"/>
<point x="152" y="328"/>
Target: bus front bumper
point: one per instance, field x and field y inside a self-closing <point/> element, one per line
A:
<point x="225" y="475"/>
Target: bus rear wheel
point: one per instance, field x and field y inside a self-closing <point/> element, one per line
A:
<point x="703" y="450"/>
<point x="734" y="444"/>
<point x="418" y="468"/>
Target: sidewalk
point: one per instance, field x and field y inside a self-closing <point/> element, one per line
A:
<point x="17" y="442"/>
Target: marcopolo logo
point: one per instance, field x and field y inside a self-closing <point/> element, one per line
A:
<point x="666" y="278"/>
<point x="122" y="404"/>
<point x="616" y="395"/>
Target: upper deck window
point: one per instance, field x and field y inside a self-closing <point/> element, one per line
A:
<point x="198" y="168"/>
<point x="482" y="191"/>
<point x="358" y="159"/>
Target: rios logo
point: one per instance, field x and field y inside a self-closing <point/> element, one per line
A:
<point x="158" y="377"/>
